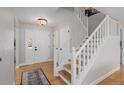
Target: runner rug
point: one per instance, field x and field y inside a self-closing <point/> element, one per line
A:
<point x="34" y="77"/>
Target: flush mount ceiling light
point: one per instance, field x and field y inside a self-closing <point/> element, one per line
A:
<point x="42" y="21"/>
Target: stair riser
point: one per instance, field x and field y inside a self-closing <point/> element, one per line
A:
<point x="66" y="81"/>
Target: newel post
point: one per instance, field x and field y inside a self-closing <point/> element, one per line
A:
<point x="73" y="65"/>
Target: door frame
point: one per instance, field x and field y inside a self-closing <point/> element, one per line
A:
<point x="121" y="44"/>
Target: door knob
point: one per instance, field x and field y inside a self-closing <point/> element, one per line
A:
<point x="35" y="48"/>
<point x="0" y="59"/>
<point x="60" y="48"/>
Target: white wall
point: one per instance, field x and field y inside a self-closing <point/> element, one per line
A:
<point x="76" y="28"/>
<point x="21" y="44"/>
<point x="6" y="47"/>
<point x="45" y="46"/>
<point x="94" y="21"/>
<point x="77" y="31"/>
<point x="107" y="61"/>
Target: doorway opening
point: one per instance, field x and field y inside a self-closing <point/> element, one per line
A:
<point x="121" y="46"/>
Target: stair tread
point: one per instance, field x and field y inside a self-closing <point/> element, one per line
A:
<point x="66" y="75"/>
<point x="68" y="66"/>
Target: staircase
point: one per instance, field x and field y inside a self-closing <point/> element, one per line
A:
<point x="83" y="57"/>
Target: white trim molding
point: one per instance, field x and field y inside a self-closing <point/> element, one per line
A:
<point x="33" y="63"/>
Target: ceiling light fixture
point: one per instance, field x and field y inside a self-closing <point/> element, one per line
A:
<point x="42" y="21"/>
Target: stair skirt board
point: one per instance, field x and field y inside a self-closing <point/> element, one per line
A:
<point x="95" y="82"/>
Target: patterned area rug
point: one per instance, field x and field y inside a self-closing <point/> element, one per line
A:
<point x="34" y="77"/>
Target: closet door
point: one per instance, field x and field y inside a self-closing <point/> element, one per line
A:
<point x="64" y="46"/>
<point x="61" y="48"/>
<point x="56" y="52"/>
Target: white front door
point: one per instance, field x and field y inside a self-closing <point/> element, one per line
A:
<point x="29" y="48"/>
<point x="40" y="46"/>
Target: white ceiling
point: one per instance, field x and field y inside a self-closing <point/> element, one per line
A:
<point x="54" y="15"/>
<point x="115" y="12"/>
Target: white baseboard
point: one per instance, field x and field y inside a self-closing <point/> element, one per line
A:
<point x="14" y="83"/>
<point x="23" y="64"/>
<point x="104" y="76"/>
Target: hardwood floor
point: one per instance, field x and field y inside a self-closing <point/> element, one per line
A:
<point x="47" y="68"/>
<point x="116" y="78"/>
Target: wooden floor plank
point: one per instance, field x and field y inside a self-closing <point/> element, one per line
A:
<point x="116" y="78"/>
<point x="47" y="68"/>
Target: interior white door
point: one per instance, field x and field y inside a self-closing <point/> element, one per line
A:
<point x="6" y="47"/>
<point x="64" y="47"/>
<point x="6" y="57"/>
<point x="61" y="48"/>
<point x="56" y="52"/>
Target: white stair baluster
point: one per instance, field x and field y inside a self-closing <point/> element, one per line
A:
<point x="101" y="33"/>
<point x="93" y="45"/>
<point x="88" y="53"/>
<point x="79" y="65"/>
<point x="84" y="58"/>
<point x="73" y="65"/>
